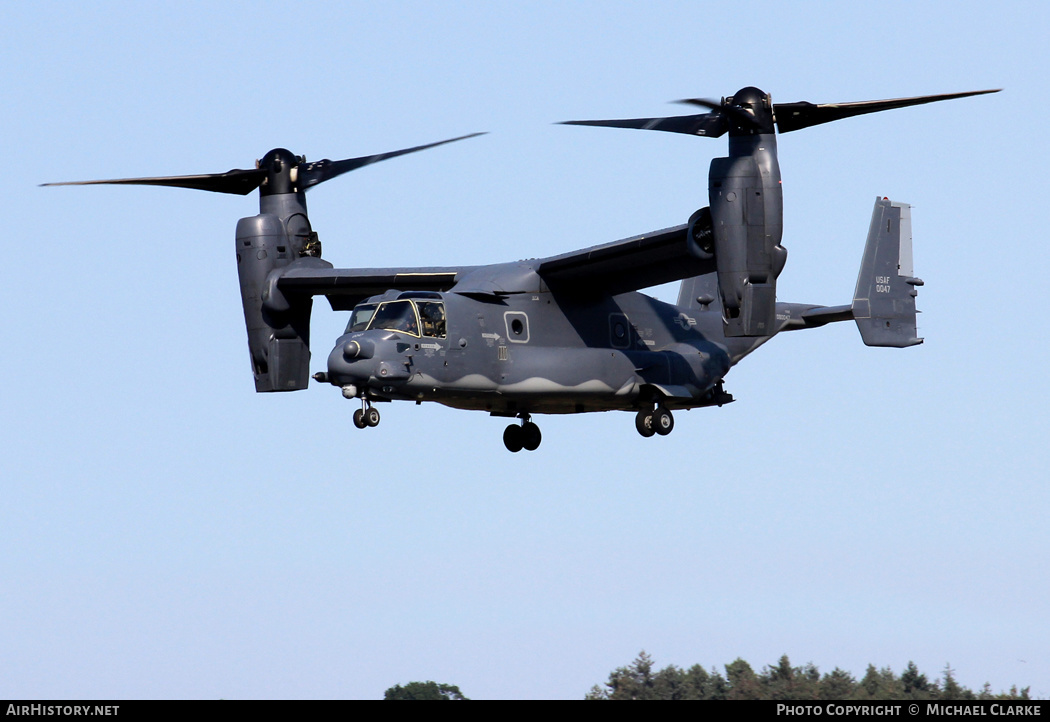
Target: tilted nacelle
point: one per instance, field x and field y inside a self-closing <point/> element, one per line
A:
<point x="278" y="326"/>
<point x="746" y="217"/>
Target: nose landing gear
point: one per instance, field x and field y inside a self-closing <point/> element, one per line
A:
<point x="526" y="436"/>
<point x="366" y="416"/>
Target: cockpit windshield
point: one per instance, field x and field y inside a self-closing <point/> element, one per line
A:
<point x="396" y="316"/>
<point x="360" y="317"/>
<point x="405" y="315"/>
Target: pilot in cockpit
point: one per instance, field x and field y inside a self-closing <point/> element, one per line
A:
<point x="432" y="317"/>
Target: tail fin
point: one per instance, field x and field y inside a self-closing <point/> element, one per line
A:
<point x="884" y="302"/>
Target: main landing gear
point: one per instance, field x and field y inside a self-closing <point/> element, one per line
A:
<point x="366" y="416"/>
<point x="526" y="436"/>
<point x="654" y="421"/>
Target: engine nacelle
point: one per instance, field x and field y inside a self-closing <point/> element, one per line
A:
<point x="278" y="327"/>
<point x="747" y="223"/>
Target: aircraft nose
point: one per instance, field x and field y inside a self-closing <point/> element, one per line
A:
<point x="363" y="360"/>
<point x="347" y="363"/>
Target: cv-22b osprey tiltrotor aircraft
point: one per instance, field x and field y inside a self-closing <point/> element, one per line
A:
<point x="569" y="333"/>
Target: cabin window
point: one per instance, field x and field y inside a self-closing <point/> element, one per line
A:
<point x="432" y="318"/>
<point x="619" y="330"/>
<point x="517" y="323"/>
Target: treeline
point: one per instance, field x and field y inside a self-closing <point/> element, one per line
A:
<point x="783" y="682"/>
<point x="424" y="690"/>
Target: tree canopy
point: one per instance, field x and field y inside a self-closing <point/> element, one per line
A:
<point x="640" y="680"/>
<point x="424" y="690"/>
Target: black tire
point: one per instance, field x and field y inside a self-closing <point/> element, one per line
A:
<point x="531" y="436"/>
<point x="663" y="422"/>
<point x="644" y="423"/>
<point x="372" y="416"/>
<point x="359" y="419"/>
<point x="513" y="438"/>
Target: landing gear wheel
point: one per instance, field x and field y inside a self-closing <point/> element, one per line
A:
<point x="663" y="422"/>
<point x="644" y="423"/>
<point x="514" y="438"/>
<point x="359" y="419"/>
<point x="531" y="436"/>
<point x="372" y="416"/>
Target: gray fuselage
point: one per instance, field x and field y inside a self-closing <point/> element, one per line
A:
<point x="538" y="353"/>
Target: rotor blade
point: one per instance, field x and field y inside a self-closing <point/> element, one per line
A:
<point x="311" y="174"/>
<point x="239" y="182"/>
<point x="793" y="116"/>
<point x="702" y="102"/>
<point x="709" y="125"/>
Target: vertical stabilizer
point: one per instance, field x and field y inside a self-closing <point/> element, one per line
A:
<point x="884" y="302"/>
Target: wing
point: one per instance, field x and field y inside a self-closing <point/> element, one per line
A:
<point x="628" y="265"/>
<point x="346" y="287"/>
<point x="609" y="269"/>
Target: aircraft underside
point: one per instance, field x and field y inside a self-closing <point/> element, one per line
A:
<point x="651" y="403"/>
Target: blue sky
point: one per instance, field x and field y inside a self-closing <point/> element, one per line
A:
<point x="166" y="532"/>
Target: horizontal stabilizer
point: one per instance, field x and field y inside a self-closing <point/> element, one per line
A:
<point x="884" y="302"/>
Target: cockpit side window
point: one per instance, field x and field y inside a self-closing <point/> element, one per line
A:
<point x="432" y="318"/>
<point x="396" y="316"/>
<point x="360" y="317"/>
